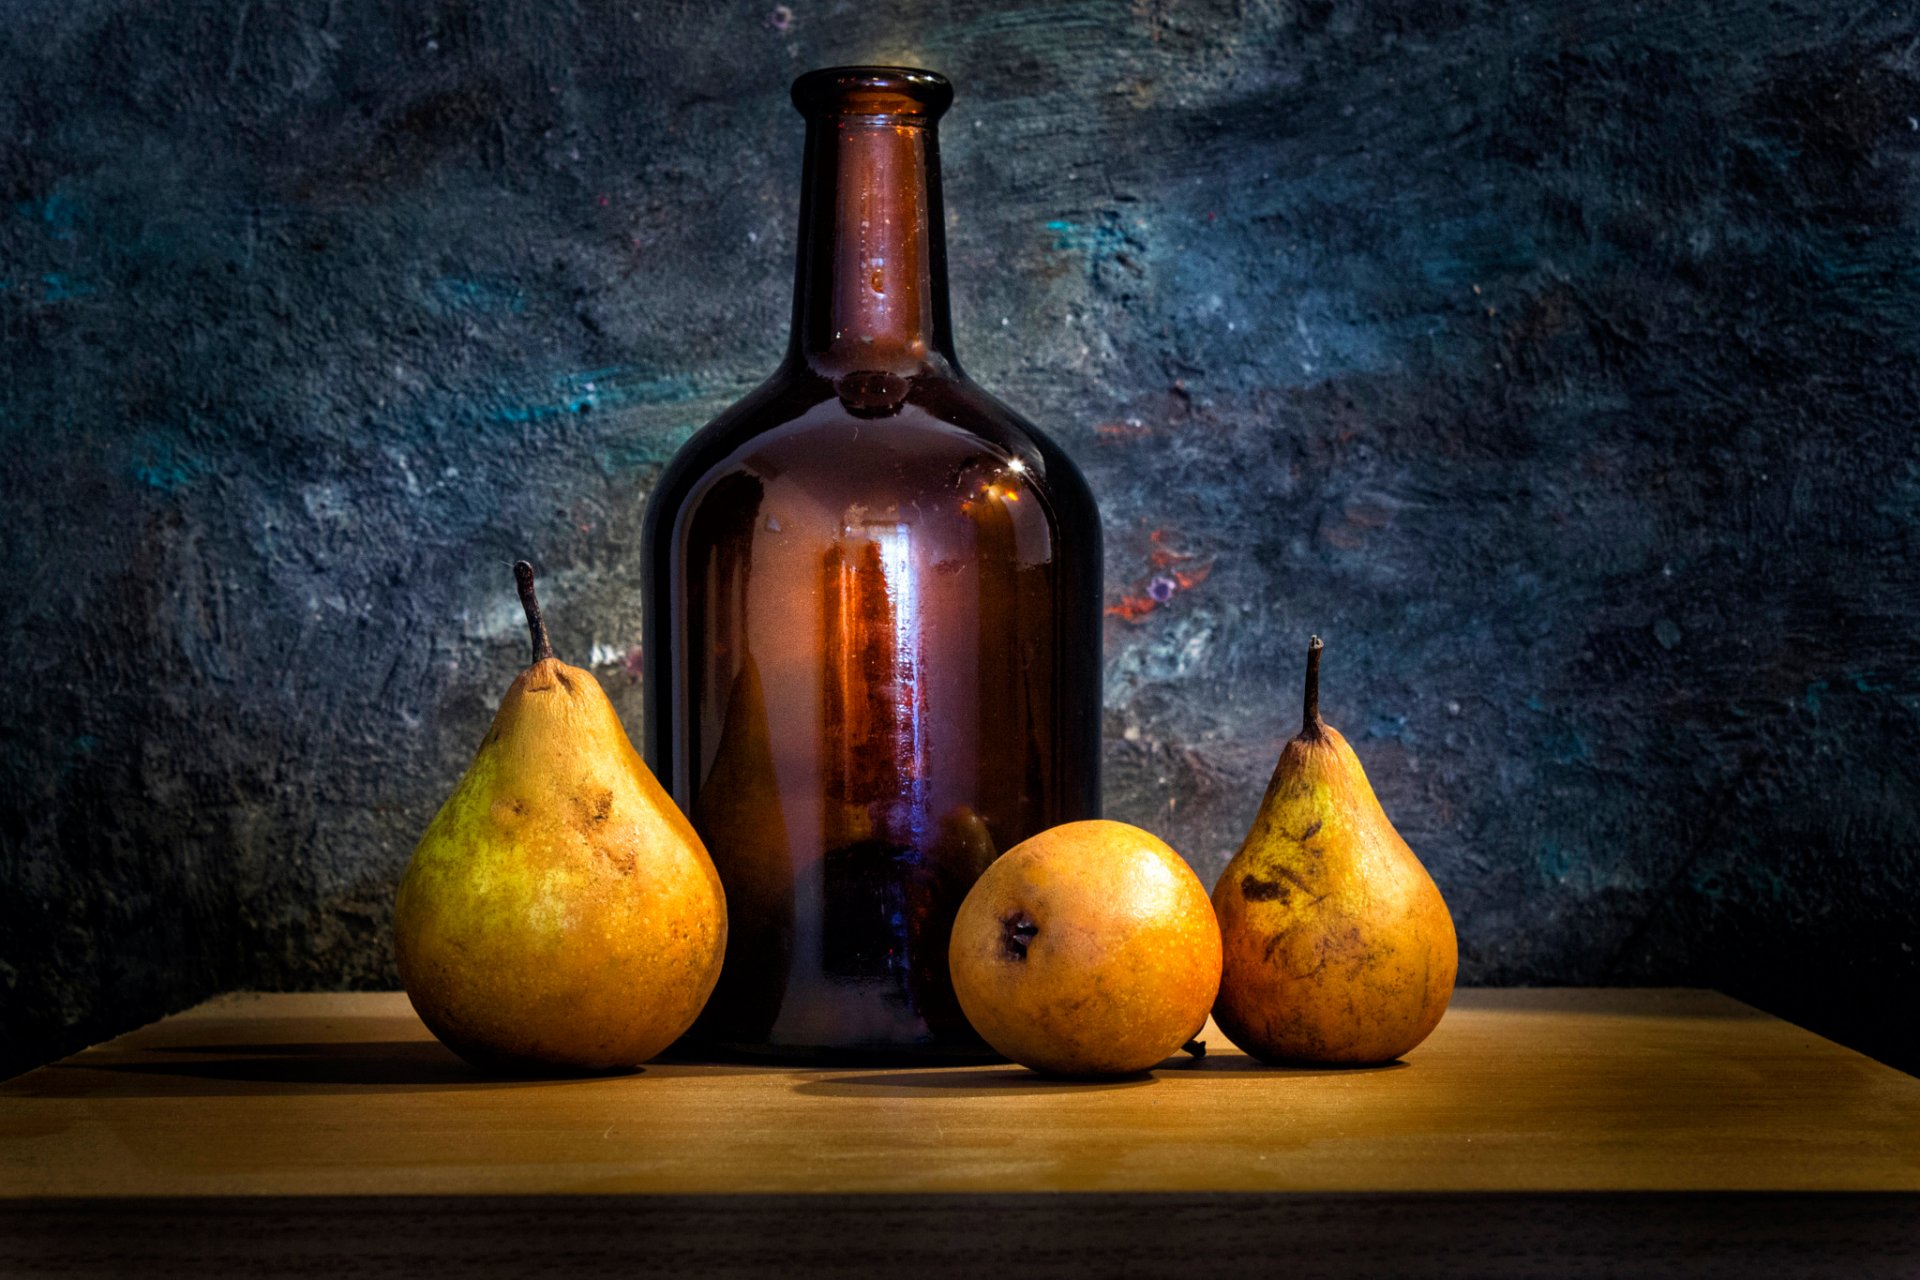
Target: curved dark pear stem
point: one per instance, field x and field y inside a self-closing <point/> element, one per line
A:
<point x="536" y="625"/>
<point x="1310" y="722"/>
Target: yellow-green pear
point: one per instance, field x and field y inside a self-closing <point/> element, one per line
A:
<point x="1337" y="945"/>
<point x="560" y="912"/>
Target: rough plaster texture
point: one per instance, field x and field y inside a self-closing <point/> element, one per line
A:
<point x="1556" y="361"/>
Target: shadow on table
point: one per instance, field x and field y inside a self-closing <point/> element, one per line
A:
<point x="1002" y="1081"/>
<point x="1632" y="1002"/>
<point x="1239" y="1063"/>
<point x="255" y="1069"/>
<point x="1010" y="1080"/>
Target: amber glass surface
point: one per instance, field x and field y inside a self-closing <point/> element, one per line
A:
<point x="873" y="606"/>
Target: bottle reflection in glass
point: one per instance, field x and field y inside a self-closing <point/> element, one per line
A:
<point x="873" y="622"/>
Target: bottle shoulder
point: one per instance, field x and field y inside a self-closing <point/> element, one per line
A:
<point x="888" y="430"/>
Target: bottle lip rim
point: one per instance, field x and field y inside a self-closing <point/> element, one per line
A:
<point x="824" y="91"/>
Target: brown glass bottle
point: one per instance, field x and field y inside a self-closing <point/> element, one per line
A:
<point x="873" y="616"/>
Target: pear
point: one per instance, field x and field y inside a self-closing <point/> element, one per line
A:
<point x="1087" y="950"/>
<point x="1337" y="945"/>
<point x="560" y="912"/>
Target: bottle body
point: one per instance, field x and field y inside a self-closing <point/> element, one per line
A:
<point x="873" y="617"/>
<point x="873" y="664"/>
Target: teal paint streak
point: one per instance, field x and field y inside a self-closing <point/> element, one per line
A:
<point x="459" y="293"/>
<point x="1565" y="745"/>
<point x="1901" y="499"/>
<point x="1747" y="879"/>
<point x="1479" y="252"/>
<point x="57" y="214"/>
<point x="79" y="749"/>
<point x="1814" y="690"/>
<point x="1863" y="682"/>
<point x="1388" y="725"/>
<point x="163" y="468"/>
<point x="1553" y="861"/>
<point x="603" y="389"/>
<point x="1558" y="740"/>
<point x="1111" y="235"/>
<point x="55" y="287"/>
<point x="1709" y="883"/>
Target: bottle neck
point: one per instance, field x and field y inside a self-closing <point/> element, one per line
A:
<point x="870" y="294"/>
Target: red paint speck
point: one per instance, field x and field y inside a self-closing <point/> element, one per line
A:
<point x="1166" y="579"/>
<point x="1187" y="581"/>
<point x="1162" y="556"/>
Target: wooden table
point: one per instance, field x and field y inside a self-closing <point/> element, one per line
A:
<point x="1556" y="1132"/>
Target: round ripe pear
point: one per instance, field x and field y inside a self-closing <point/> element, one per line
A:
<point x="560" y="912"/>
<point x="1087" y="950"/>
<point x="1338" y="946"/>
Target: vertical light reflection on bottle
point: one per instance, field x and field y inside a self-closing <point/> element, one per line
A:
<point x="909" y="729"/>
<point x="875" y="824"/>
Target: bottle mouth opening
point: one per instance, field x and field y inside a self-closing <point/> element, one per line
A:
<point x="873" y="91"/>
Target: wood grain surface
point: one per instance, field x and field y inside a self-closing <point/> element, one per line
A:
<point x="1518" y="1091"/>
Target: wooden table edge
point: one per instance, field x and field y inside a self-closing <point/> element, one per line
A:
<point x="966" y="1235"/>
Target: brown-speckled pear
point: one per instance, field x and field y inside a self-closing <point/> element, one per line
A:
<point x="1087" y="950"/>
<point x="560" y="912"/>
<point x="1337" y="945"/>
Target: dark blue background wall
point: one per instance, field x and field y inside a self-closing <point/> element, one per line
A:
<point x="1558" y="362"/>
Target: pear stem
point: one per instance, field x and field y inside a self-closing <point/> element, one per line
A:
<point x="1196" y="1047"/>
<point x="536" y="625"/>
<point x="1310" y="722"/>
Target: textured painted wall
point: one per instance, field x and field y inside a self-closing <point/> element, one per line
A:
<point x="1556" y="361"/>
